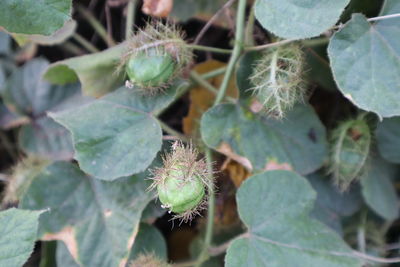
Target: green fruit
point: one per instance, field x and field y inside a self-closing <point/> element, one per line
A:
<point x="150" y="68"/>
<point x="180" y="193"/>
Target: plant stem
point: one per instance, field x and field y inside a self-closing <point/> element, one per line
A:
<point x="248" y="35"/>
<point x="209" y="49"/>
<point x="171" y="131"/>
<point x="86" y="44"/>
<point x="180" y="92"/>
<point x="262" y="47"/>
<point x="72" y="48"/>
<point x="210" y="213"/>
<point x="96" y="26"/>
<point x="237" y="49"/>
<point x="130" y="18"/>
<point x="213" y="73"/>
<point x="215" y="251"/>
<point x="202" y="82"/>
<point x="197" y="78"/>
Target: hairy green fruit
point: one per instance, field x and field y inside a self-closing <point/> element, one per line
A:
<point x="154" y="57"/>
<point x="350" y="149"/>
<point x="180" y="193"/>
<point x="182" y="182"/>
<point x="151" y="68"/>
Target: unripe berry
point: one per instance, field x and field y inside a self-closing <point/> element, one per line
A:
<point x="182" y="182"/>
<point x="154" y="57"/>
<point x="150" y="69"/>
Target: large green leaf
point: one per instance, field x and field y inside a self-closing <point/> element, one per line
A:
<point x="96" y="72"/>
<point x="34" y="17"/>
<point x="97" y="220"/>
<point x="299" y="140"/>
<point x="388" y="139"/>
<point x="331" y="204"/>
<point x="365" y="59"/>
<point x="46" y="138"/>
<point x="28" y="97"/>
<point x="148" y="240"/>
<point x="274" y="206"/>
<point x="28" y="94"/>
<point x="298" y="19"/>
<point x="116" y="135"/>
<point x="18" y="230"/>
<point x="378" y="189"/>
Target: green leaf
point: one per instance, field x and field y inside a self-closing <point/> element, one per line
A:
<point x="34" y="17"/>
<point x="255" y="141"/>
<point x="58" y="37"/>
<point x="46" y="138"/>
<point x="275" y="207"/>
<point x="116" y="135"/>
<point x="331" y="204"/>
<point x="96" y="72"/>
<point x="149" y="240"/>
<point x="5" y="44"/>
<point x="28" y="94"/>
<point x="18" y="230"/>
<point x="318" y="69"/>
<point x="243" y="72"/>
<point x="388" y="139"/>
<point x="365" y="60"/>
<point x="378" y="190"/>
<point x="63" y="257"/>
<point x="89" y="214"/>
<point x="298" y="19"/>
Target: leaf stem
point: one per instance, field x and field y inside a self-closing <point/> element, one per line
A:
<point x="99" y="29"/>
<point x="248" y="35"/>
<point x="237" y="50"/>
<point x="86" y="44"/>
<point x="130" y="18"/>
<point x="209" y="49"/>
<point x="265" y="46"/>
<point x="213" y="73"/>
<point x="197" y="78"/>
<point x="210" y="213"/>
<point x="171" y="131"/>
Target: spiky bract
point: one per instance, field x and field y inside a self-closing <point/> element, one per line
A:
<point x="148" y="260"/>
<point x="351" y="142"/>
<point x="21" y="177"/>
<point x="182" y="182"/>
<point x="276" y="80"/>
<point x="159" y="55"/>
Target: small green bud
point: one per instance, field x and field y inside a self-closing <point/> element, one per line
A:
<point x="151" y="68"/>
<point x="182" y="182"/>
